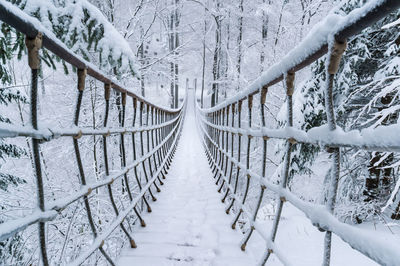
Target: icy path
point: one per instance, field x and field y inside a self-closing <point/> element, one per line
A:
<point x="188" y="225"/>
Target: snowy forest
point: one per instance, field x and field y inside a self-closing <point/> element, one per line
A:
<point x="218" y="50"/>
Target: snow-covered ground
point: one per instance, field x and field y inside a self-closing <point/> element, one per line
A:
<point x="302" y="243"/>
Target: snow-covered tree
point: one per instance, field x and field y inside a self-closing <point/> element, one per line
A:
<point x="366" y="96"/>
<point x="83" y="29"/>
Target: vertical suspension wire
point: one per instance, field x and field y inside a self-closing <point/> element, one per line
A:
<point x="221" y="138"/>
<point x="153" y="123"/>
<point x="158" y="141"/>
<point x="226" y="132"/>
<point x="161" y="139"/>
<point x="171" y="145"/>
<point x="121" y="104"/>
<point x="142" y="150"/>
<point x="263" y="170"/>
<point x="163" y="154"/>
<point x="222" y="147"/>
<point x="148" y="118"/>
<point x="334" y="56"/>
<point x="168" y="144"/>
<point x="221" y="143"/>
<point x="227" y="141"/>
<point x="159" y="134"/>
<point x="107" y="93"/>
<point x="148" y="139"/>
<point x="239" y="146"/>
<point x="154" y="141"/>
<point x="213" y="137"/>
<point x="144" y="200"/>
<point x="122" y="115"/>
<point x="81" y="87"/>
<point x="249" y="137"/>
<point x="232" y="153"/>
<point x="216" y="139"/>
<point x="289" y="78"/>
<point x="34" y="45"/>
<point x="210" y="130"/>
<point x="208" y="142"/>
<point x="163" y="134"/>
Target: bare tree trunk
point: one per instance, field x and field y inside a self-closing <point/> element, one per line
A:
<point x="176" y="35"/>
<point x="141" y="60"/>
<point x="228" y="37"/>
<point x="264" y="36"/>
<point x="142" y="77"/>
<point x="111" y="6"/>
<point x="172" y="65"/>
<point x="303" y="17"/>
<point x="204" y="58"/>
<point x="279" y="26"/>
<point x="173" y="45"/>
<point x="215" y="69"/>
<point x="239" y="44"/>
<point x="217" y="55"/>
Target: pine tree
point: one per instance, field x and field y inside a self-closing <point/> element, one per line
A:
<point x="369" y="81"/>
<point x="83" y="29"/>
<point x="9" y="43"/>
<point x="7" y="96"/>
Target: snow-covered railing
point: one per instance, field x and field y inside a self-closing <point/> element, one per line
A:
<point x="153" y="134"/>
<point x="223" y="135"/>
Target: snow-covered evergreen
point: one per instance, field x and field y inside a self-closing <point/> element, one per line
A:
<point x="366" y="97"/>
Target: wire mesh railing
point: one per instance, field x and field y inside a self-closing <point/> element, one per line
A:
<point x="152" y="135"/>
<point x="229" y="137"/>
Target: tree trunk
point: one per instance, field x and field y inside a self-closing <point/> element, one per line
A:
<point x="142" y="62"/>
<point x="204" y="58"/>
<point x="176" y="45"/>
<point x="228" y="37"/>
<point x="264" y="37"/>
<point x="172" y="65"/>
<point x="239" y="44"/>
<point x="217" y="55"/>
<point x="279" y="26"/>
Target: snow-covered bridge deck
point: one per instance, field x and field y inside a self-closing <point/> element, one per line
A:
<point x="188" y="224"/>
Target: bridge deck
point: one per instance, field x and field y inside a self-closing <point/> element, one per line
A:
<point x="188" y="225"/>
